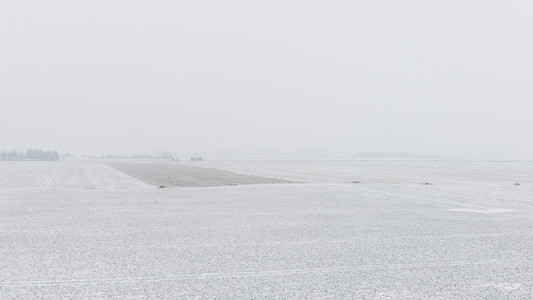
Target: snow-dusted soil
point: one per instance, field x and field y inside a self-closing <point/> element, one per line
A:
<point x="178" y="174"/>
<point x="387" y="239"/>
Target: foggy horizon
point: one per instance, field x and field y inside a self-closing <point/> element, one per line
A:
<point x="335" y="79"/>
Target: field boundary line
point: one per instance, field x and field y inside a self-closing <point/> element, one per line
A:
<point x="105" y="177"/>
<point x="49" y="179"/>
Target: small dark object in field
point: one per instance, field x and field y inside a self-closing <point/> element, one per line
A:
<point x="161" y="187"/>
<point x="356" y="181"/>
<point x="517" y="183"/>
<point x="427" y="183"/>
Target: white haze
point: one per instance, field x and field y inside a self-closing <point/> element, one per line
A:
<point x="448" y="78"/>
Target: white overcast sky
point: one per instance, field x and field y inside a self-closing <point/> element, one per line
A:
<point x="448" y="78"/>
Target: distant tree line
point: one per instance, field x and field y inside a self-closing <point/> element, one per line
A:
<point x="30" y="154"/>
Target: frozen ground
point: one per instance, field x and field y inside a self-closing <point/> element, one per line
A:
<point x="390" y="172"/>
<point x="68" y="174"/>
<point x="81" y="229"/>
<point x="178" y="174"/>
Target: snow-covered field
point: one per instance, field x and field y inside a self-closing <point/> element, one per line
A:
<point x="68" y="174"/>
<point x="81" y="229"/>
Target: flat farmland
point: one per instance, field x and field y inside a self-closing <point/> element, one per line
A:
<point x="69" y="174"/>
<point x="84" y="229"/>
<point x="462" y="173"/>
<point x="177" y="174"/>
